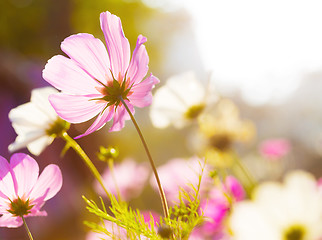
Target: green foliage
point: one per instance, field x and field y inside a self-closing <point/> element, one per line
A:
<point x="184" y="216"/>
<point x="123" y="216"/>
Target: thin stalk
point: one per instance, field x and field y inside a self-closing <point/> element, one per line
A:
<point x="27" y="229"/>
<point x="73" y="144"/>
<point x="111" y="168"/>
<point x="162" y="195"/>
<point x="251" y="180"/>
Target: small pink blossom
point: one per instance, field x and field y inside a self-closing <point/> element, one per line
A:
<point x="274" y="148"/>
<point x="181" y="173"/>
<point x="92" y="80"/>
<point x="22" y="191"/>
<point x="128" y="178"/>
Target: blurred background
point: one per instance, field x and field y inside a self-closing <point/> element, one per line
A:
<point x="264" y="55"/>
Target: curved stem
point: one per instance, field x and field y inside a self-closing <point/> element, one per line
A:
<point x="27" y="229"/>
<point x="73" y="144"/>
<point x="162" y="195"/>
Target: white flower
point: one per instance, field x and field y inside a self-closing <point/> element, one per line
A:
<point x="292" y="211"/>
<point x="181" y="99"/>
<point x="36" y="122"/>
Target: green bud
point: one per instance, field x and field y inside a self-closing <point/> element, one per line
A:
<point x="165" y="231"/>
<point x="105" y="154"/>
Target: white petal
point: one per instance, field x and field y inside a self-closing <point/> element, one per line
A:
<point x="248" y="223"/>
<point x="25" y="138"/>
<point x="27" y="115"/>
<point x="37" y="146"/>
<point x="39" y="97"/>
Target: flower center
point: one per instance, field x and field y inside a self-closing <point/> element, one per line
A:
<point x="295" y="232"/>
<point x="57" y="128"/>
<point x="220" y="141"/>
<point x="194" y="111"/>
<point x="19" y="207"/>
<point x="114" y="92"/>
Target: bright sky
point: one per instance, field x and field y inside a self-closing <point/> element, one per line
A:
<point x="261" y="47"/>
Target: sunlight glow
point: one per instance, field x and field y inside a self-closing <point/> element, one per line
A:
<point x="262" y="48"/>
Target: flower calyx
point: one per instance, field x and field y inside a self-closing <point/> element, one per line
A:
<point x="57" y="128"/>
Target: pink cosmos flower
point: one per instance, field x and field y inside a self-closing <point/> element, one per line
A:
<point x="274" y="148"/>
<point x="128" y="178"/>
<point x="22" y="192"/>
<point x="92" y="80"/>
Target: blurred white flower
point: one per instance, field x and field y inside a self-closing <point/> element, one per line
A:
<point x="289" y="211"/>
<point x="181" y="99"/>
<point x="36" y="122"/>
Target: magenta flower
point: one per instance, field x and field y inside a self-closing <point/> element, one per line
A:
<point x="216" y="208"/>
<point x="93" y="81"/>
<point x="22" y="192"/>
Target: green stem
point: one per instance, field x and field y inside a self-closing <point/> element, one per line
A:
<point x="251" y="180"/>
<point x="27" y="229"/>
<point x="162" y="195"/>
<point x="73" y="144"/>
<point x="111" y="168"/>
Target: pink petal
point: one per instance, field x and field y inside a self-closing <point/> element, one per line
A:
<point x="90" y="53"/>
<point x="138" y="67"/>
<point x="8" y="220"/>
<point x="99" y="122"/>
<point x="35" y="212"/>
<point x="25" y="173"/>
<point x="117" y="44"/>
<point x="235" y="188"/>
<point x="75" y="108"/>
<point x="66" y="75"/>
<point x="7" y="187"/>
<point x="142" y="96"/>
<point x="120" y="116"/>
<point x="48" y="184"/>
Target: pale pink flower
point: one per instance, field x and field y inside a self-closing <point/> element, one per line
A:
<point x="22" y="191"/>
<point x="274" y="148"/>
<point x="181" y="173"/>
<point x="92" y="80"/>
<point x="128" y="178"/>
